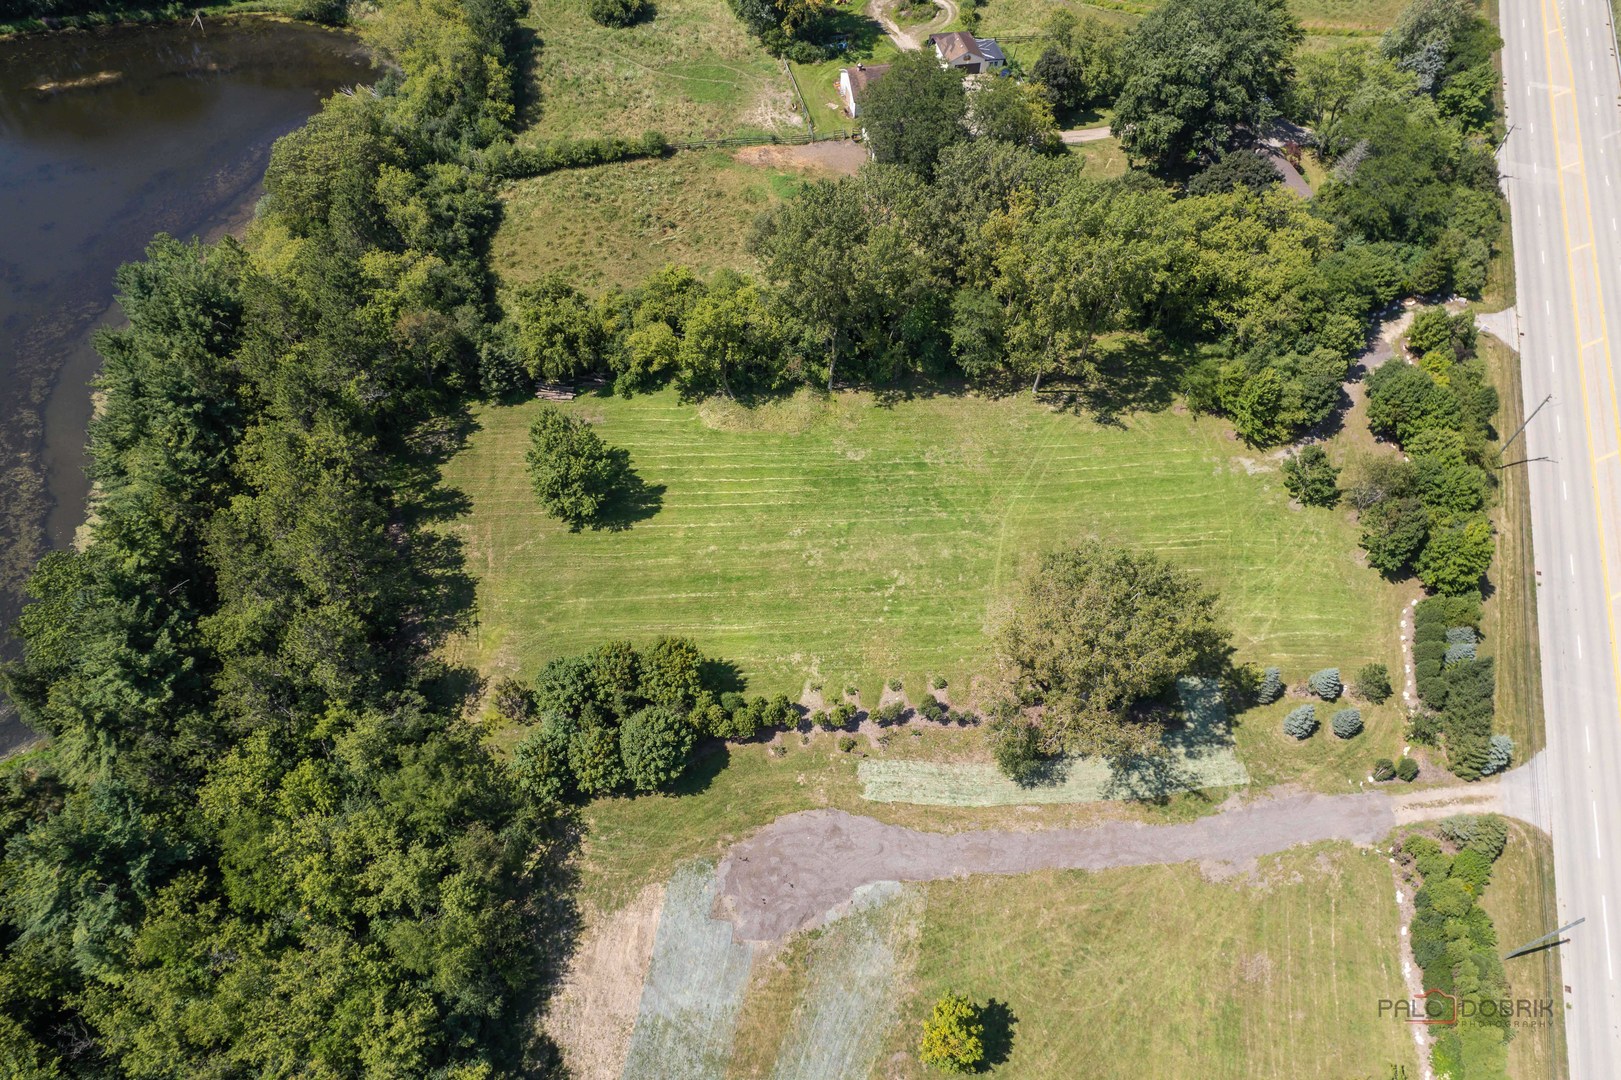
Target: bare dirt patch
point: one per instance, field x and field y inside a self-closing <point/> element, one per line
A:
<point x="840" y="157"/>
<point x="790" y="875"/>
<point x="593" y="1013"/>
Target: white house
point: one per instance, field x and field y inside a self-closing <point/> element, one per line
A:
<point x="967" y="53"/>
<point x="853" y="82"/>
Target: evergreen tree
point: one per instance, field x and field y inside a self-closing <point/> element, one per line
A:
<point x="1301" y="722"/>
<point x="1326" y="683"/>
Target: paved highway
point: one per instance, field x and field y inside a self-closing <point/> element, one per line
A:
<point x="1562" y="161"/>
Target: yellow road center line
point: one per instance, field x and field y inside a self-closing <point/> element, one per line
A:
<point x="1576" y="319"/>
<point x="1595" y="341"/>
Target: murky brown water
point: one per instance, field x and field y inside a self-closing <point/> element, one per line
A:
<point x="107" y="138"/>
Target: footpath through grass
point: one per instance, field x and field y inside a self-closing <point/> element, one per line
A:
<point x="832" y="541"/>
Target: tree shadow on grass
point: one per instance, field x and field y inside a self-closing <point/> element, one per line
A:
<point x="721" y="676"/>
<point x="708" y="762"/>
<point x="633" y="500"/>
<point x="999" y="1021"/>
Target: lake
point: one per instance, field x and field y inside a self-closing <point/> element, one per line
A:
<point x="106" y="138"/>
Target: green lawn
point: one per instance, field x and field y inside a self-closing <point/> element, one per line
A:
<point x="691" y="71"/>
<point x="838" y="541"/>
<point x="1157" y="972"/>
<point x="615" y="224"/>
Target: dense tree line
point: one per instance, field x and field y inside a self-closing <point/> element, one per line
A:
<point x="1426" y="512"/>
<point x="969" y="252"/>
<point x="261" y="841"/>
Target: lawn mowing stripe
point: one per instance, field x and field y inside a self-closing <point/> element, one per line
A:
<point x="889" y="560"/>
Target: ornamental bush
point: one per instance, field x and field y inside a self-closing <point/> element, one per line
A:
<point x="932" y="709"/>
<point x="1488" y="836"/>
<point x="1459" y="652"/>
<point x="1473" y="869"/>
<point x="1326" y="683"/>
<point x="824" y="720"/>
<point x="1271" y="686"/>
<point x="1462" y="635"/>
<point x="847" y="743"/>
<point x="1499" y="753"/>
<point x="1347" y="723"/>
<point x="892" y="713"/>
<point x="1016" y="746"/>
<point x="1407" y="769"/>
<point x="953" y="1036"/>
<point x="844" y="714"/>
<point x="1373" y="683"/>
<point x="1301" y="722"/>
<point x="1384" y="769"/>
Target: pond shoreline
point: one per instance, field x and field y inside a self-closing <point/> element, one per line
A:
<point x="113" y="135"/>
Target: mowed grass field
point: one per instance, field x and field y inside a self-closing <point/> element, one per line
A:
<point x="615" y="224"/>
<point x="1159" y="972"/>
<point x="691" y="71"/>
<point x="830" y="540"/>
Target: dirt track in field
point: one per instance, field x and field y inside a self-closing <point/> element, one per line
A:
<point x="791" y="874"/>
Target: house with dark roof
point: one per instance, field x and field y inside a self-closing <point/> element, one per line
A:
<point x="853" y="82"/>
<point x="967" y="53"/>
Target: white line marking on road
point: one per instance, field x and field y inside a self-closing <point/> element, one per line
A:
<point x="1578" y="636"/>
<point x="1571" y="556"/>
<point x="1566" y="489"/>
<point x="1609" y="961"/>
<point x="1589" y="730"/>
<point x="1544" y="256"/>
<point x="1597" y="850"/>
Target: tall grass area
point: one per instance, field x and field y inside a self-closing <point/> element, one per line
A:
<point x="691" y="71"/>
<point x="834" y="540"/>
<point x="615" y="224"/>
<point x="1158" y="972"/>
<point x="1520" y="901"/>
<point x="1510" y="615"/>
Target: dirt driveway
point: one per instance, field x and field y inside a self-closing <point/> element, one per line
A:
<point x="801" y="868"/>
<point x="908" y="40"/>
<point x="838" y="157"/>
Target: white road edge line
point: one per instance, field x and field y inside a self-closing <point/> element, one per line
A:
<point x="1609" y="960"/>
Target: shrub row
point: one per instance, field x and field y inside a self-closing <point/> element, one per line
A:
<point x="508" y="161"/>
<point x="1455" y="943"/>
